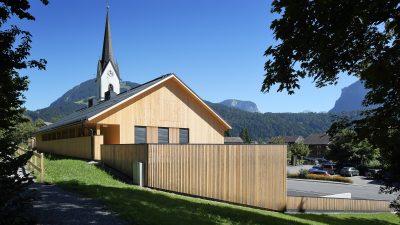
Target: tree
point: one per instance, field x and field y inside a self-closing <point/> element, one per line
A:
<point x="278" y="140"/>
<point x="244" y="134"/>
<point x="327" y="39"/>
<point x="347" y="149"/>
<point x="14" y="51"/>
<point x="227" y="133"/>
<point x="299" y="149"/>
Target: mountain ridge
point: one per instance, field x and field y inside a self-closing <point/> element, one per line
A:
<point x="351" y="98"/>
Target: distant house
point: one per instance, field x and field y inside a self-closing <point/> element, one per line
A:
<point x="163" y="110"/>
<point x="289" y="139"/>
<point x="318" y="144"/>
<point x="293" y="139"/>
<point x="233" y="140"/>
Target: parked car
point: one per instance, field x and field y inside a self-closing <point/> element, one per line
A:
<point x="349" y="171"/>
<point x="320" y="172"/>
<point x="321" y="160"/>
<point x="329" y="167"/>
<point x="314" y="168"/>
<point x="372" y="173"/>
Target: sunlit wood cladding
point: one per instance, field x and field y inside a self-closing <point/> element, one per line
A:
<point x="245" y="174"/>
<point x="167" y="105"/>
<point x="79" y="147"/>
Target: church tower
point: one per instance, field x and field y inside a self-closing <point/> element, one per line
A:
<point x="108" y="78"/>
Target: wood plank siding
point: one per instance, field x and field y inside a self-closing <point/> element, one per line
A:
<point x="167" y="105"/>
<point x="121" y="157"/>
<point x="245" y="174"/>
<point x="302" y="204"/>
<point x="79" y="147"/>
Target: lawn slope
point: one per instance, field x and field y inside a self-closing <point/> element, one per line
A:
<point x="143" y="206"/>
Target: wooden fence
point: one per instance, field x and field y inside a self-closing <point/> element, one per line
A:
<point x="303" y="204"/>
<point x="35" y="163"/>
<point x="252" y="175"/>
<point x="79" y="147"/>
<point x="121" y="157"/>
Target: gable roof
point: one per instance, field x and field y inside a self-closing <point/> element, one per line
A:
<point x="290" y="139"/>
<point x="317" y="139"/>
<point x="228" y="140"/>
<point x="87" y="114"/>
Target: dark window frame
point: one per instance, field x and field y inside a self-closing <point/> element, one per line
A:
<point x="160" y="141"/>
<point x="145" y="135"/>
<point x="188" y="135"/>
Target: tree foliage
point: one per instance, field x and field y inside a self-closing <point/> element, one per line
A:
<point x="245" y="135"/>
<point x="347" y="149"/>
<point x="278" y="140"/>
<point x="299" y="149"/>
<point x="327" y="39"/>
<point x="14" y="51"/>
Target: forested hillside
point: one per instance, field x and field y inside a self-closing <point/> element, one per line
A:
<point x="266" y="125"/>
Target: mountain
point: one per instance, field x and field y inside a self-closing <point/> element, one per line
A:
<point x="242" y="105"/>
<point x="72" y="100"/>
<point x="351" y="98"/>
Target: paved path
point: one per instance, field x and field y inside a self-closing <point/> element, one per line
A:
<point x="57" y="206"/>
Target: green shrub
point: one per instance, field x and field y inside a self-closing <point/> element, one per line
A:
<point x="328" y="178"/>
<point x="303" y="173"/>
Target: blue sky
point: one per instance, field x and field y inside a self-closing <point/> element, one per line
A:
<point x="216" y="47"/>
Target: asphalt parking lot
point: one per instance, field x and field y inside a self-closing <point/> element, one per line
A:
<point x="361" y="188"/>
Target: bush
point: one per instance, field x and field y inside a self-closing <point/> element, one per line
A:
<point x="303" y="173"/>
<point x="329" y="178"/>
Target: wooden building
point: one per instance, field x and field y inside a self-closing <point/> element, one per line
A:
<point x="163" y="110"/>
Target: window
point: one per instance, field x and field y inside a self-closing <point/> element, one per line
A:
<point x="163" y="135"/>
<point x="110" y="87"/>
<point x="183" y="136"/>
<point x="140" y="135"/>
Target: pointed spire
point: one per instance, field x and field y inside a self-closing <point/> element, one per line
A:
<point x="107" y="44"/>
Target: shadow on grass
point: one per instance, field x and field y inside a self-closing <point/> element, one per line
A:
<point x="140" y="206"/>
<point x="331" y="219"/>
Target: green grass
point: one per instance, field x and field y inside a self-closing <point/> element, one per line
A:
<point x="143" y="206"/>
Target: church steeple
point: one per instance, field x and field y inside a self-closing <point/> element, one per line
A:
<point x="107" y="55"/>
<point x="108" y="78"/>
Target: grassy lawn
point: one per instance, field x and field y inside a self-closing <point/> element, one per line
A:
<point x="143" y="206"/>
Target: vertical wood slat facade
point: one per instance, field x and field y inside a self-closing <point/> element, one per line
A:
<point x="79" y="147"/>
<point x="121" y="157"/>
<point x="252" y="175"/>
<point x="302" y="204"/>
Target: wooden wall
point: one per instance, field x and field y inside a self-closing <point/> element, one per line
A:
<point x="302" y="204"/>
<point x="79" y="147"/>
<point x="121" y="157"/>
<point x="111" y="134"/>
<point x="246" y="174"/>
<point x="174" y="135"/>
<point x="98" y="141"/>
<point x="167" y="105"/>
